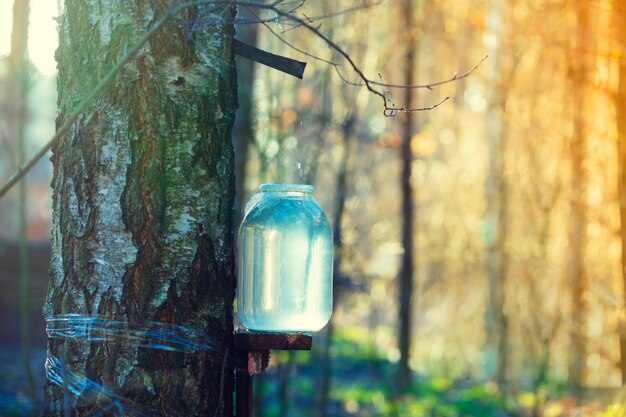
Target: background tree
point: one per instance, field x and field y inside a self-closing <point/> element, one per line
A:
<point x="496" y="218"/>
<point x="16" y="106"/>
<point x="534" y="72"/>
<point x="620" y="117"/>
<point x="243" y="134"/>
<point x="407" y="266"/>
<point x="582" y="61"/>
<point x="143" y="196"/>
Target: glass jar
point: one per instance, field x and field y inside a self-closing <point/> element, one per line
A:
<point x="285" y="261"/>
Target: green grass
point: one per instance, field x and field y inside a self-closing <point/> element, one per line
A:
<point x="363" y="384"/>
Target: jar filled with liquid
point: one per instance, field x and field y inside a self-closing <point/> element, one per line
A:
<point x="285" y="261"/>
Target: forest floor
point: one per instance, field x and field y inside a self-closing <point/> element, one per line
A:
<point x="361" y="383"/>
<point x="17" y="398"/>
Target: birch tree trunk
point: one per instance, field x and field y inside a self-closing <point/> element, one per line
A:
<point x="143" y="205"/>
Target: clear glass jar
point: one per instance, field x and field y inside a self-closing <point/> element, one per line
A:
<point x="285" y="261"/>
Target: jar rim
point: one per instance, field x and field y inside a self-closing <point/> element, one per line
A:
<point x="287" y="188"/>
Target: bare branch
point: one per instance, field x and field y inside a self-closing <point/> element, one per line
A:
<point x="345" y="80"/>
<point x="346" y="11"/>
<point x="391" y="111"/>
<point x="389" y="108"/>
<point x="289" y="44"/>
<point x="298" y="5"/>
<point x="430" y="86"/>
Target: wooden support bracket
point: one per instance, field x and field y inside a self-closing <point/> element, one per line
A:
<point x="256" y="347"/>
<point x="257" y="361"/>
<point x="272" y="341"/>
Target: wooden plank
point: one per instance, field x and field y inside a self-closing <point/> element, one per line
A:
<point x="243" y="397"/>
<point x="254" y="341"/>
<point x="258" y="361"/>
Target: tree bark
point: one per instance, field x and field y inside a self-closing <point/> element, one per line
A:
<point x="142" y="212"/>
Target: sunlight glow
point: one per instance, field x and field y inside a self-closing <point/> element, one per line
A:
<point x="42" y="35"/>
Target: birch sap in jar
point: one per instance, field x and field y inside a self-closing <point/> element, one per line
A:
<point x="285" y="261"/>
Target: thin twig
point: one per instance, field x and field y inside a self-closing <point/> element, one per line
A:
<point x="392" y="110"/>
<point x="315" y="30"/>
<point x="295" y="8"/>
<point x="345" y="80"/>
<point x="312" y="19"/>
<point x="346" y="11"/>
<point x="430" y="86"/>
<point x="289" y="44"/>
<point x="388" y="110"/>
<point x="369" y="84"/>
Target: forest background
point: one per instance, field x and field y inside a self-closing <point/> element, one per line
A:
<point x="517" y="191"/>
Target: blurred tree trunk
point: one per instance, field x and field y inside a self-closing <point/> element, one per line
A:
<point x="17" y="105"/>
<point x="581" y="62"/>
<point x="342" y="192"/>
<point x="620" y="106"/>
<point x="143" y="209"/>
<point x="259" y="396"/>
<point x="497" y="207"/>
<point x="405" y="277"/>
<point x="325" y="118"/>
<point x="285" y="373"/>
<point x="243" y="134"/>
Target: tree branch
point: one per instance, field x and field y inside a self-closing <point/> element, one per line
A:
<point x="289" y="44"/>
<point x="389" y="108"/>
<point x="430" y="86"/>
